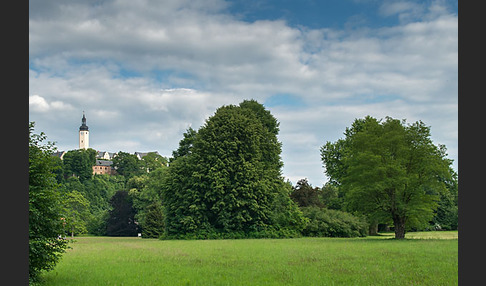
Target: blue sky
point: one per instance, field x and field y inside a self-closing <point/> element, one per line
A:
<point x="145" y="71"/>
<point x="311" y="14"/>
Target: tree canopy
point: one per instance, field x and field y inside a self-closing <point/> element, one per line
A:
<point x="79" y="162"/>
<point x="228" y="178"/>
<point x="121" y="220"/>
<point x="127" y="165"/>
<point x="388" y="170"/>
<point x="305" y="195"/>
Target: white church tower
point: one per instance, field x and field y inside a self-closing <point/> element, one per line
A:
<point x="83" y="134"/>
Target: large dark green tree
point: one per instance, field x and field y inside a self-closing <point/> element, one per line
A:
<point x="228" y="179"/>
<point x="305" y="195"/>
<point x="153" y="225"/>
<point x="121" y="220"/>
<point x="45" y="224"/>
<point x="389" y="170"/>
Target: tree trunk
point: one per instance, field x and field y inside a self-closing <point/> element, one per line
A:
<point x="373" y="229"/>
<point x="399" y="224"/>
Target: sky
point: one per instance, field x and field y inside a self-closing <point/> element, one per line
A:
<point x="145" y="71"/>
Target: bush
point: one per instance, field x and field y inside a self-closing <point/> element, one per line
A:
<point x="333" y="223"/>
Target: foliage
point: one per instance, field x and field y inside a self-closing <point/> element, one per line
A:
<point x="58" y="169"/>
<point x="75" y="212"/>
<point x="153" y="226"/>
<point x="145" y="193"/>
<point x="331" y="197"/>
<point x="185" y="145"/>
<point x="226" y="179"/>
<point x="153" y="161"/>
<point x="79" y="163"/>
<point x="389" y="171"/>
<point x="121" y="220"/>
<point x="305" y="195"/>
<point x="127" y="165"/>
<point x="333" y="223"/>
<point x="97" y="225"/>
<point x="100" y="189"/>
<point x="97" y="191"/>
<point x="45" y="225"/>
<point x="446" y="215"/>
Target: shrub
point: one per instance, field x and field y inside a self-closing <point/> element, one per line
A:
<point x="333" y="223"/>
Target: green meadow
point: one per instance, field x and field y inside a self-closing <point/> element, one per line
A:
<point x="427" y="258"/>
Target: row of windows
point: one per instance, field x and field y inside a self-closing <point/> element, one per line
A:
<point x="101" y="168"/>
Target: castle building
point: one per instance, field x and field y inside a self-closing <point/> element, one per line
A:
<point x="104" y="159"/>
<point x="83" y="134"/>
<point x="103" y="167"/>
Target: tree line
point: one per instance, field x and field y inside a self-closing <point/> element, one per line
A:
<point x="225" y="181"/>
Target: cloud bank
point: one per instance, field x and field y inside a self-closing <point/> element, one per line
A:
<point x="145" y="71"/>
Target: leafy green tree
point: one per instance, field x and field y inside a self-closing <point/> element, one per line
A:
<point x="305" y="195"/>
<point x="153" y="226"/>
<point x="79" y="163"/>
<point x="97" y="191"/>
<point x="75" y="212"/>
<point x="100" y="189"/>
<point x="153" y="161"/>
<point x="98" y="223"/>
<point x="58" y="169"/>
<point x="185" y="145"/>
<point x="127" y="165"/>
<point x="121" y="220"/>
<point x="446" y="215"/>
<point x="388" y="171"/>
<point x="228" y="179"/>
<point x="45" y="225"/>
<point x="331" y="197"/>
<point x="271" y="148"/>
<point x="145" y="193"/>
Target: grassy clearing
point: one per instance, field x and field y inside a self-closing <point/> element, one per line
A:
<point x="303" y="261"/>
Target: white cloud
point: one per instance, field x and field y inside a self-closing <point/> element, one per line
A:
<point x="399" y="7"/>
<point x="39" y="104"/>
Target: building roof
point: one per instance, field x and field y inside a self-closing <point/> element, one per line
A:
<point x="59" y="154"/>
<point x="83" y="126"/>
<point x="140" y="155"/>
<point x="103" y="163"/>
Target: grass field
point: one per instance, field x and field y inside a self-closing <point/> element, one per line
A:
<point x="429" y="258"/>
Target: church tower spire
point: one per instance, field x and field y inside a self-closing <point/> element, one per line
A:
<point x="83" y="134"/>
